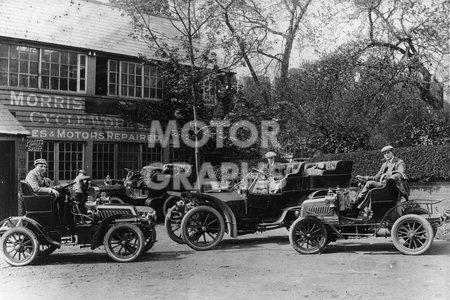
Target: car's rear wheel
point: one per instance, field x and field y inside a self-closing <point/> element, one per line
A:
<point x="124" y="242"/>
<point x="19" y="246"/>
<point x="412" y="234"/>
<point x="173" y="225"/>
<point x="308" y="235"/>
<point x="150" y="239"/>
<point x="202" y="228"/>
<point x="45" y="250"/>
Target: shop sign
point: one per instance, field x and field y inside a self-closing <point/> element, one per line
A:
<point x="94" y="135"/>
<point x="34" y="145"/>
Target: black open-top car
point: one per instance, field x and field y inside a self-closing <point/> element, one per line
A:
<point x="126" y="231"/>
<point x="201" y="219"/>
<point x="324" y="218"/>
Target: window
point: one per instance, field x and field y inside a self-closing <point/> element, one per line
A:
<point x="70" y="160"/>
<point x="129" y="79"/>
<point x="60" y="70"/>
<point x="151" y="155"/>
<point x="128" y="157"/>
<point x="67" y="156"/>
<point x="63" y="71"/>
<point x="103" y="160"/>
<point x="152" y="82"/>
<point x="19" y="66"/>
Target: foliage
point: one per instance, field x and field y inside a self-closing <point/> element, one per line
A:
<point x="423" y="163"/>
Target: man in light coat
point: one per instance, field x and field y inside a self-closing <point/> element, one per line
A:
<point x="392" y="165"/>
<point x="36" y="179"/>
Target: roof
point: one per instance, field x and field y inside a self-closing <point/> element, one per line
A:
<point x="79" y="23"/>
<point x="9" y="124"/>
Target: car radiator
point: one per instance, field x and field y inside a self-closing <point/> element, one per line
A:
<point x="106" y="211"/>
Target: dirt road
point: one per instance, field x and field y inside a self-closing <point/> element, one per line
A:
<point x="258" y="266"/>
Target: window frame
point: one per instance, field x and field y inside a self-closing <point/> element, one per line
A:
<point x="80" y="79"/>
<point x="120" y="72"/>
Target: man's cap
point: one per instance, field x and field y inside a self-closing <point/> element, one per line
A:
<point x="270" y="154"/>
<point x="82" y="171"/>
<point x="40" y="161"/>
<point x="387" y="148"/>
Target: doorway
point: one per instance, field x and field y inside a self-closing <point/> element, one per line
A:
<point x="8" y="202"/>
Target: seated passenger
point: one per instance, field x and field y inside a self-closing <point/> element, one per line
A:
<point x="271" y="169"/>
<point x="315" y="169"/>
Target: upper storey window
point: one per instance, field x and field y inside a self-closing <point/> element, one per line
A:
<point x="39" y="68"/>
<point x="128" y="79"/>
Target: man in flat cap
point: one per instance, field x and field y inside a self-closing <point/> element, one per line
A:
<point x="392" y="166"/>
<point x="36" y="179"/>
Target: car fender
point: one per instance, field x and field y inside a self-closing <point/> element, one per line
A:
<point x="27" y="223"/>
<point x="225" y="210"/>
<point x="102" y="228"/>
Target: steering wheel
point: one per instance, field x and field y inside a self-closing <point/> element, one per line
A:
<point x="260" y="172"/>
<point x="361" y="178"/>
<point x="64" y="186"/>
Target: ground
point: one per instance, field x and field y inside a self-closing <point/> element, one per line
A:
<point x="257" y="266"/>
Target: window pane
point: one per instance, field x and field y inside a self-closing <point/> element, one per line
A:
<point x="63" y="84"/>
<point x="14" y="66"/>
<point x="3" y="78"/>
<point x="72" y="85"/>
<point x="3" y="65"/>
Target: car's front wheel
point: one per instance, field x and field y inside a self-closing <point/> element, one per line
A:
<point x="412" y="234"/>
<point x="124" y="242"/>
<point x="202" y="228"/>
<point x="308" y="235"/>
<point x="19" y="246"/>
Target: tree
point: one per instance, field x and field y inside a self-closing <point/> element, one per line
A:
<point x="416" y="33"/>
<point x="258" y="31"/>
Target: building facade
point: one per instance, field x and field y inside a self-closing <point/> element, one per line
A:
<point x="65" y="65"/>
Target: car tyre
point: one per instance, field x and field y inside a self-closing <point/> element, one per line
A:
<point x="19" y="246"/>
<point x="124" y="242"/>
<point x="202" y="228"/>
<point x="308" y="235"/>
<point x="412" y="234"/>
<point x="173" y="226"/>
<point x="150" y="240"/>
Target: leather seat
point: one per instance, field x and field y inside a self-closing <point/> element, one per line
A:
<point x="39" y="207"/>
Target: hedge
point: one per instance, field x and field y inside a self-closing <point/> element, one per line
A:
<point x="423" y="163"/>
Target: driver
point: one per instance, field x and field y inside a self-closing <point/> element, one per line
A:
<point x="37" y="181"/>
<point x="392" y="165"/>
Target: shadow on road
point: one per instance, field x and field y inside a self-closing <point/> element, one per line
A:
<point x="253" y="242"/>
<point x="381" y="248"/>
<point x="99" y="258"/>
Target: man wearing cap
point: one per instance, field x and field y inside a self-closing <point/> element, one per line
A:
<point x="80" y="184"/>
<point x="392" y="165"/>
<point x="37" y="181"/>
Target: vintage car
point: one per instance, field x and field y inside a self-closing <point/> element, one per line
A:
<point x="327" y="216"/>
<point x="201" y="219"/>
<point x="150" y="186"/>
<point x="126" y="231"/>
